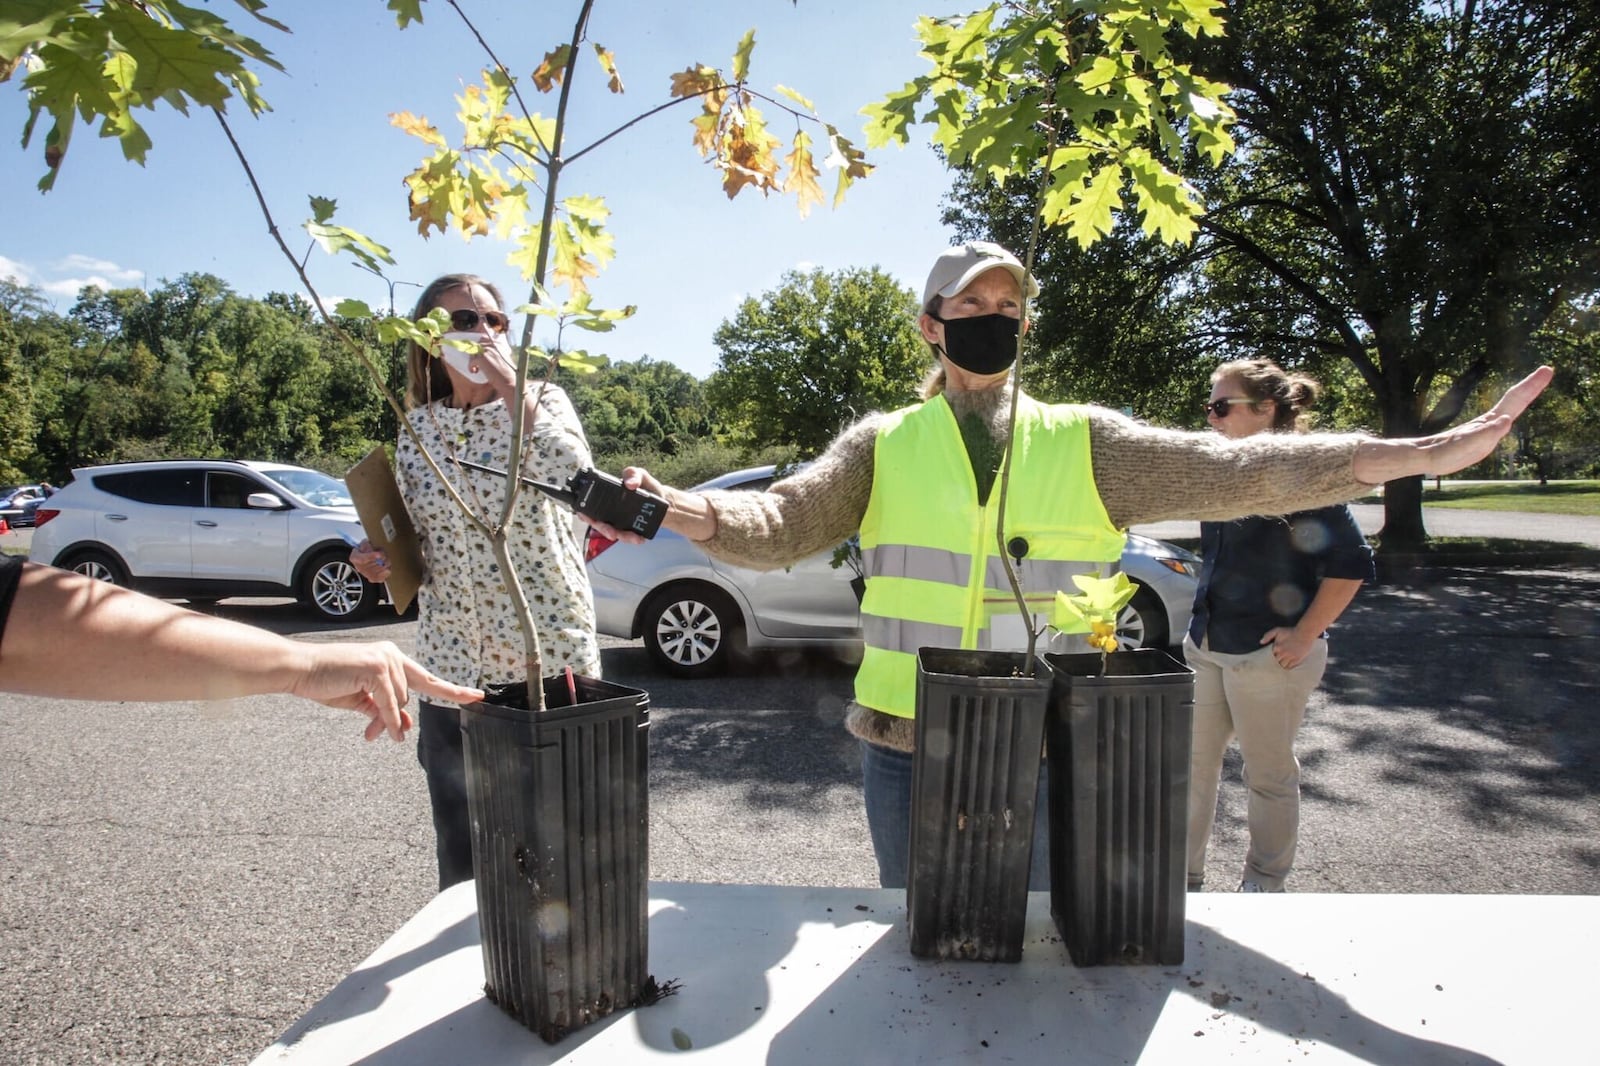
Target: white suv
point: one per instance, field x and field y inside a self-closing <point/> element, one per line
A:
<point x="206" y="529"/>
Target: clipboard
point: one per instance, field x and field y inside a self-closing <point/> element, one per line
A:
<point x="387" y="523"/>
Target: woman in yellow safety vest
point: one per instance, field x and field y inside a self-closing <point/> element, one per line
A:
<point x="917" y="485"/>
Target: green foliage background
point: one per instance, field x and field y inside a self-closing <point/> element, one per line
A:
<point x="192" y="369"/>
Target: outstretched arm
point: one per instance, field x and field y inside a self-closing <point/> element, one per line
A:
<point x="76" y="638"/>
<point x="1377" y="461"/>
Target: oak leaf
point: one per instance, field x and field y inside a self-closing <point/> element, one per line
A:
<point x="549" y="73"/>
<point x="803" y="174"/>
<point x="741" y="56"/>
<point x="417" y="126"/>
<point x="608" y="63"/>
<point x="693" y="81"/>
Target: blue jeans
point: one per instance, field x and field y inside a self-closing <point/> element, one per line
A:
<point x="444" y="763"/>
<point x="886" y="787"/>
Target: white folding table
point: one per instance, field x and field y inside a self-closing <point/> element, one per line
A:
<point x="823" y="977"/>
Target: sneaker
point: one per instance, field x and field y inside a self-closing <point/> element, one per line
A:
<point x="1256" y="886"/>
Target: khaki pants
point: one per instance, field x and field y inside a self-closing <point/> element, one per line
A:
<point x="1250" y="696"/>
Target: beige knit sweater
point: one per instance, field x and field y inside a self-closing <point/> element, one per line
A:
<point x="1143" y="474"/>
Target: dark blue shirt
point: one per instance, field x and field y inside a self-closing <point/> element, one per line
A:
<point x="1262" y="572"/>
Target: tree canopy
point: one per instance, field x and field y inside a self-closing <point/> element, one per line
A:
<point x="805" y="359"/>
<point x="1414" y="197"/>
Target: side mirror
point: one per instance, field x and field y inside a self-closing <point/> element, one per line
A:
<point x="265" y="501"/>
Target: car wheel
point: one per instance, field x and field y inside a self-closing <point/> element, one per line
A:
<point x="101" y="566"/>
<point x="690" y="630"/>
<point x="1143" y="623"/>
<point x="333" y="590"/>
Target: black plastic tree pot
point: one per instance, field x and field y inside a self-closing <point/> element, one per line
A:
<point x="1118" y="756"/>
<point x="560" y="850"/>
<point x="974" y="779"/>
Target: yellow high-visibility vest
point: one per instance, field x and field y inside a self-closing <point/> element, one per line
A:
<point x="934" y="574"/>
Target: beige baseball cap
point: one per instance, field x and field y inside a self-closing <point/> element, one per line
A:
<point x="956" y="267"/>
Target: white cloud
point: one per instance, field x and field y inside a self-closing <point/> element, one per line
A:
<point x="106" y="273"/>
<point x="10" y="268"/>
<point x="64" y="277"/>
<point x="69" y="287"/>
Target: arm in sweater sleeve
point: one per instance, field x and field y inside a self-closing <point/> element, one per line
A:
<point x="804" y="513"/>
<point x="1148" y="474"/>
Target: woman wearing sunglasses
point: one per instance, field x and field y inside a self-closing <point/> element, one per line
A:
<point x="1270" y="586"/>
<point x="458" y="403"/>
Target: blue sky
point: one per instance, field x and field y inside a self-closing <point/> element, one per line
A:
<point x="686" y="255"/>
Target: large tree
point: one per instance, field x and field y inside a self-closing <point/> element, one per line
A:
<point x="814" y="354"/>
<point x="1414" y="196"/>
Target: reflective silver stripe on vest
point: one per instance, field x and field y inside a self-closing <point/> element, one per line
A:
<point x="897" y="634"/>
<point x="1043" y="576"/>
<point x="924" y="564"/>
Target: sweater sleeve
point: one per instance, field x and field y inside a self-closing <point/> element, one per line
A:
<point x="810" y="510"/>
<point x="1148" y="474"/>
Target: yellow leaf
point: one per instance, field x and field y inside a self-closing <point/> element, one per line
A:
<point x="745" y="153"/>
<point x="567" y="263"/>
<point x="803" y="172"/>
<point x="741" y="57"/>
<point x="526" y="255"/>
<point x="417" y="127"/>
<point x="591" y="208"/>
<point x="608" y="63"/>
<point x="430" y="189"/>
<point x="694" y="81"/>
<point x="582" y="362"/>
<point x="705" y="131"/>
<point x="784" y="90"/>
<point x="513" y="212"/>
<point x="532" y="135"/>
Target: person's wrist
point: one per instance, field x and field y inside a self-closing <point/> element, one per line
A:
<point x="1379" y="461"/>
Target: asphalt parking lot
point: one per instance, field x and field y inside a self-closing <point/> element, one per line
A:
<point x="179" y="882"/>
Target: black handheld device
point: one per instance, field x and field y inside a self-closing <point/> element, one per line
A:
<point x="596" y="494"/>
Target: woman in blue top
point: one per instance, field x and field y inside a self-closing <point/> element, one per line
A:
<point x="1269" y="588"/>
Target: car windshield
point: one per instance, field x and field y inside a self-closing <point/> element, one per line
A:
<point x="313" y="487"/>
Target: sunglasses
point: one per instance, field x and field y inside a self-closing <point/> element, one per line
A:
<point x="466" y="320"/>
<point x="1221" y="407"/>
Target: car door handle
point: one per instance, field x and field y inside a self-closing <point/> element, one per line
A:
<point x="117" y="517"/>
<point x="208" y="523"/>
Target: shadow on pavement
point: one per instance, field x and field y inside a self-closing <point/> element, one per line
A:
<point x="774" y="726"/>
<point x="1504" y="661"/>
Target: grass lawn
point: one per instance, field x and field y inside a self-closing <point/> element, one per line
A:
<point x="1558" y="497"/>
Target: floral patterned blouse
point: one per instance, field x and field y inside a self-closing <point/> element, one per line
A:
<point x="467" y="632"/>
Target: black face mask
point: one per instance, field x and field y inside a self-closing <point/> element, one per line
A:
<point x="985" y="344"/>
